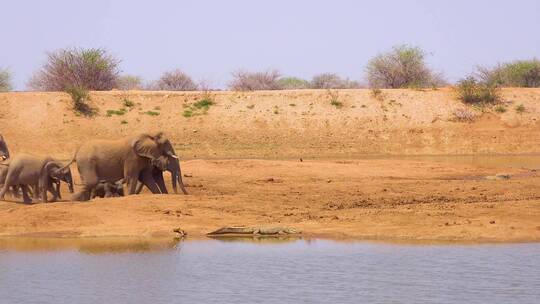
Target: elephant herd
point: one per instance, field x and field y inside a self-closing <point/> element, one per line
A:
<point x="104" y="167"/>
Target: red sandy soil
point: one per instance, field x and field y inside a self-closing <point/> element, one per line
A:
<point x="243" y="162"/>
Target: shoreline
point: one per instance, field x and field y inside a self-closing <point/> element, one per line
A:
<point x="353" y="200"/>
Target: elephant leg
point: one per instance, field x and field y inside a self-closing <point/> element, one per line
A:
<point x="148" y="181"/>
<point x="90" y="181"/>
<point x="140" y="185"/>
<point x="157" y="175"/>
<point x="26" y="198"/>
<point x="35" y="191"/>
<point x="57" y="184"/>
<point x="108" y="192"/>
<point x="55" y="194"/>
<point x="131" y="184"/>
<point x="15" y="191"/>
<point x="11" y="179"/>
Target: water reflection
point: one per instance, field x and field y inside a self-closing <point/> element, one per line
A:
<point x="88" y="245"/>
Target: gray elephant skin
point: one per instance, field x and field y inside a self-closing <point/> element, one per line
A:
<point x="4" y="152"/>
<point x="170" y="164"/>
<point x="28" y="171"/>
<point x="112" y="160"/>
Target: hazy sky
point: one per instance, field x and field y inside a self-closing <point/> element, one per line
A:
<point x="210" y="38"/>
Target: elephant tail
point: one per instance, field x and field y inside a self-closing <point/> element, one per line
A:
<point x="73" y="160"/>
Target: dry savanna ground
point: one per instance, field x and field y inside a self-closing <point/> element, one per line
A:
<point x="241" y="159"/>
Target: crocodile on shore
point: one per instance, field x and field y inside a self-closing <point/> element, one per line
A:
<point x="241" y="230"/>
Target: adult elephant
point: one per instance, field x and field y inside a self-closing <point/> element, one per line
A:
<point x="111" y="160"/>
<point x="4" y="152"/>
<point x="166" y="163"/>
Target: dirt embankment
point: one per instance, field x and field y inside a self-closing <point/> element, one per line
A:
<point x="269" y="185"/>
<point x="279" y="124"/>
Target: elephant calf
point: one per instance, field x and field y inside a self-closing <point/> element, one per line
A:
<point x="108" y="189"/>
<point x="28" y="171"/>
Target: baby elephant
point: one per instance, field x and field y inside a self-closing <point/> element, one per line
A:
<point x="28" y="171"/>
<point x="107" y="189"/>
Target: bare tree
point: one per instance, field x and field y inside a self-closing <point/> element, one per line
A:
<point x="175" y="81"/>
<point x="92" y="69"/>
<point x="253" y="81"/>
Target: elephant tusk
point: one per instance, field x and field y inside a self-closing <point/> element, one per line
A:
<point x="174" y="156"/>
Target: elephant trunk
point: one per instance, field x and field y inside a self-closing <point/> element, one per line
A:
<point x="174" y="178"/>
<point x="181" y="184"/>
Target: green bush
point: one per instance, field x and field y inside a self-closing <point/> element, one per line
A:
<point x="403" y="67"/>
<point x="520" y="73"/>
<point x="520" y="109"/>
<point x="472" y="91"/>
<point x="500" y="109"/>
<point x="204" y="103"/>
<point x="79" y="99"/>
<point x="293" y="83"/>
<point x="151" y="113"/>
<point x="128" y="103"/>
<point x="92" y="69"/>
<point x="116" y="112"/>
<point x="5" y="80"/>
<point x="199" y="107"/>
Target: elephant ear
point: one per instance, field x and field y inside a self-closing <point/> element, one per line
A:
<point x="164" y="144"/>
<point x="145" y="146"/>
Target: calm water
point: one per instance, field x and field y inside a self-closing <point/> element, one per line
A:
<point x="290" y="271"/>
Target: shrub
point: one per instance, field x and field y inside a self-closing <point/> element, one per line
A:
<point x="464" y="115"/>
<point x="473" y="91"/>
<point x="377" y="94"/>
<point x="79" y="99"/>
<point x="176" y="81"/>
<point x="204" y="103"/>
<point x="5" y="80"/>
<point x="402" y="67"/>
<point x="116" y="112"/>
<point x="200" y="107"/>
<point x="520" y="109"/>
<point x="187" y="113"/>
<point x="128" y="103"/>
<point x="129" y="82"/>
<point x="332" y="81"/>
<point x="500" y="109"/>
<point x="92" y="69"/>
<point x="151" y="113"/>
<point x="292" y="83"/>
<point x="334" y="98"/>
<point x="521" y="73"/>
<point x="253" y="81"/>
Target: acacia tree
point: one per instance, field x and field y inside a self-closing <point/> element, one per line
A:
<point x="92" y="69"/>
<point x="402" y="67"/>
<point x="520" y="73"/>
<point x="175" y="80"/>
<point x="253" y="81"/>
